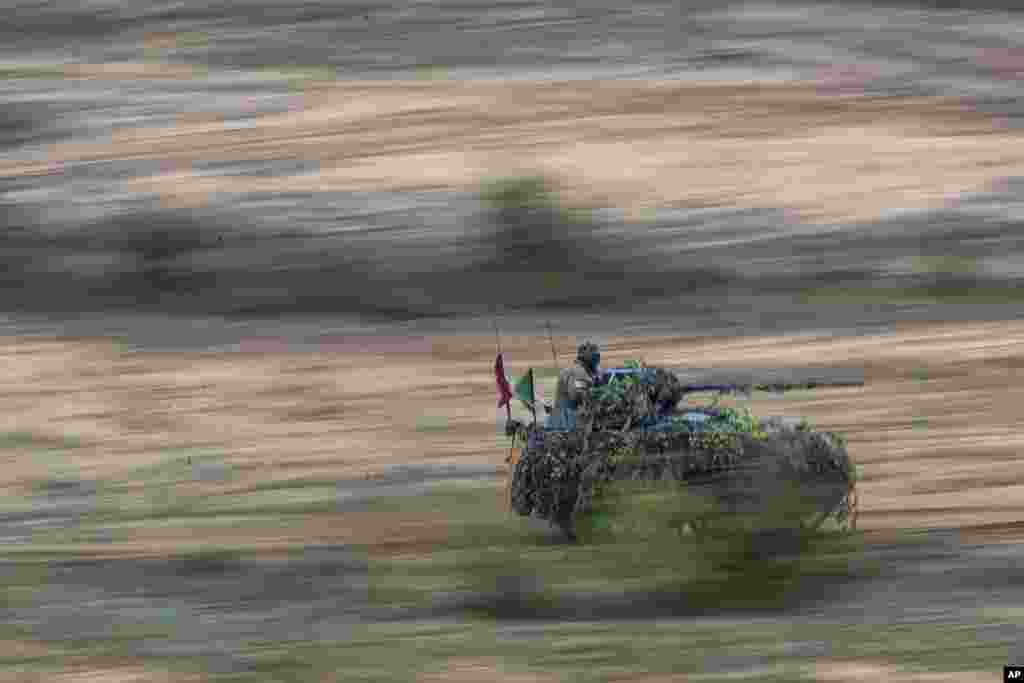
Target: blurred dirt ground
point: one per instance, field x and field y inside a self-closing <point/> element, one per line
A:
<point x="934" y="431"/>
<point x="847" y="672"/>
<point x="826" y="157"/>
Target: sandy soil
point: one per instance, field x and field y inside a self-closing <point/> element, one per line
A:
<point x="847" y="672"/>
<point x="935" y="430"/>
<point x="628" y="144"/>
<point x="468" y="670"/>
<point x="78" y="669"/>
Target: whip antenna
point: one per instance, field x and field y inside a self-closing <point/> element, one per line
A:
<point x="554" y="355"/>
<point x="497" y="337"/>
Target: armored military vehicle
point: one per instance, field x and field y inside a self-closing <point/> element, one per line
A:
<point x="636" y="428"/>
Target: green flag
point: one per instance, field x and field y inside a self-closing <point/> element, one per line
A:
<point x="524" y="389"/>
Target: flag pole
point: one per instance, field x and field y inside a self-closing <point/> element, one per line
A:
<point x="497" y="341"/>
<point x="554" y="356"/>
<point x="497" y="337"/>
<point x="509" y="460"/>
<point x="533" y="398"/>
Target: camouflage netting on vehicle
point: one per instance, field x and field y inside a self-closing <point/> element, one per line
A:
<point x="632" y="401"/>
<point x="560" y="473"/>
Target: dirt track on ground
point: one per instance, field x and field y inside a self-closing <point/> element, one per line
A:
<point x="935" y="429"/>
<point x="826" y="157"/>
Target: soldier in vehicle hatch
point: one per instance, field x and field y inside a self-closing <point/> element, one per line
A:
<point x="574" y="385"/>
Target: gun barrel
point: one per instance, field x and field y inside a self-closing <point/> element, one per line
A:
<point x="767" y="386"/>
<point x="812" y="384"/>
<point x="722" y="388"/>
<point x="741" y="387"/>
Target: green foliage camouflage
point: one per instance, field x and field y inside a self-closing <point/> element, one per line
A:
<point x="735" y="466"/>
<point x="562" y="476"/>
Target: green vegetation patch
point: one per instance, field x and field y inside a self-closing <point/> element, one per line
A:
<point x="531" y="193"/>
<point x="506" y="566"/>
<point x="940" y="294"/>
<point x="946" y="265"/>
<point x="528" y="192"/>
<point x="298" y="73"/>
<point x="11" y="71"/>
<point x="432" y="72"/>
<point x="191" y="40"/>
<point x="427" y="423"/>
<point x="164" y="490"/>
<point x="209" y="561"/>
<point x="35" y="440"/>
<point x="177" y="465"/>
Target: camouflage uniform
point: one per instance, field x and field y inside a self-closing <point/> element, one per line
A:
<point x="574" y="385"/>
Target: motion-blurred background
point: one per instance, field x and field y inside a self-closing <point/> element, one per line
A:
<point x="751" y="165"/>
<point x="298" y="222"/>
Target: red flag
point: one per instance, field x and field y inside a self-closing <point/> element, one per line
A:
<point x="504" y="390"/>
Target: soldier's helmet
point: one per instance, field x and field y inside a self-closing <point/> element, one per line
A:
<point x="589" y="355"/>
